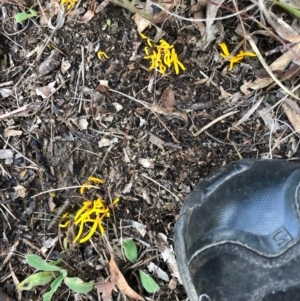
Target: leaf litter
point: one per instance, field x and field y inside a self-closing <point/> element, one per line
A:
<point x="116" y="279"/>
<point x="138" y="133"/>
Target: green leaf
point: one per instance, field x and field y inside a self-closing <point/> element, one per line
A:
<point x="41" y="278"/>
<point x="54" y="286"/>
<point x="20" y="17"/>
<point x="130" y="250"/>
<point x="79" y="286"/>
<point x="108" y="22"/>
<point x="40" y="264"/>
<point x="288" y="8"/>
<point x="66" y="243"/>
<point x="148" y="283"/>
<point x="64" y="273"/>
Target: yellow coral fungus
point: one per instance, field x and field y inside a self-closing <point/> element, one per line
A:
<point x="95" y="180"/>
<point x="234" y="59"/>
<point x="101" y="55"/>
<point x="91" y="212"/>
<point x="70" y="3"/>
<point x="162" y="56"/>
<point x="89" y="183"/>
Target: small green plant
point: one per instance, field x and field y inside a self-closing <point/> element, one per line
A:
<point x="52" y="272"/>
<point x="20" y="17"/>
<point x="130" y="251"/>
<point x="294" y="11"/>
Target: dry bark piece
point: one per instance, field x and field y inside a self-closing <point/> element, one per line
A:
<point x="51" y="63"/>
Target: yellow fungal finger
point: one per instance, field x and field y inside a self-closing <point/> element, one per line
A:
<point x="116" y="200"/>
<point x="225" y="50"/>
<point x="95" y="180"/>
<point x="84" y="186"/>
<point x="79" y="232"/>
<point x="91" y="232"/>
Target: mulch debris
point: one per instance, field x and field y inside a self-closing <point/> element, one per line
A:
<point x="66" y="115"/>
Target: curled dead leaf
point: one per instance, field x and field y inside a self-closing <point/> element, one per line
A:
<point x="292" y="110"/>
<point x="89" y="14"/>
<point x="168" y="99"/>
<point x="116" y="278"/>
<point x="279" y="64"/>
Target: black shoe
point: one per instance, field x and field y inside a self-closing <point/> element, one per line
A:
<point x="237" y="237"/>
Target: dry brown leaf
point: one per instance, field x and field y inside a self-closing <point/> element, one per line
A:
<point x="83" y="123"/>
<point x="51" y="9"/>
<point x="20" y="192"/>
<point x="157" y="141"/>
<point x="140" y="22"/>
<point x="271" y="123"/>
<point x="5" y="92"/>
<point x="106" y="290"/>
<point x="281" y="28"/>
<point x="6" y="154"/>
<point x="168" y="99"/>
<point x="89" y="14"/>
<point x="290" y="109"/>
<point x="116" y="278"/>
<point x="162" y="111"/>
<point x="103" y="89"/>
<point x="46" y="91"/>
<point x="285" y="31"/>
<point x="280" y="64"/>
<point x="121" y="282"/>
<point x="167" y="254"/>
<point x="146" y="162"/>
<point x="150" y="10"/>
<point x="211" y="12"/>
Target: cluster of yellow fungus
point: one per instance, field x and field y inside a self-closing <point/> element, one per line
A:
<point x="70" y="3"/>
<point x="234" y="59"/>
<point x="91" y="212"/>
<point x="162" y="56"/>
<point x="101" y="55"/>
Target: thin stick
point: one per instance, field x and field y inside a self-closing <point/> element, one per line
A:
<point x="213" y="122"/>
<point x="174" y="195"/>
<point x="60" y="211"/>
<point x="268" y="69"/>
<point x="19" y="110"/>
<point x="148" y="106"/>
<point x="63" y="188"/>
<point x="208" y="19"/>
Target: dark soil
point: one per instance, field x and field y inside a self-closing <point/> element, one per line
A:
<point x="150" y="159"/>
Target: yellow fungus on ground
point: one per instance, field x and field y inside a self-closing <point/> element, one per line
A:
<point x="101" y="55"/>
<point x="69" y="3"/>
<point x="90" y="212"/>
<point x="162" y="56"/>
<point x="234" y="59"/>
